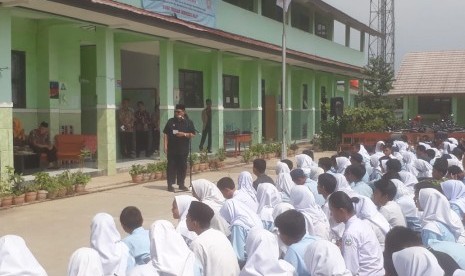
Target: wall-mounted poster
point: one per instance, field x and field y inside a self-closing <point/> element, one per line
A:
<point x="54" y="90"/>
<point x="202" y="12"/>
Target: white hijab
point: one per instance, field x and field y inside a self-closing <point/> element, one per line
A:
<point x="366" y="209"/>
<point x="379" y="148"/>
<point x="323" y="258"/>
<point x="281" y="208"/>
<point x="424" y="168"/>
<point x="342" y="184"/>
<point x="282" y="167"/>
<point x="183" y="202"/>
<point x="436" y="209"/>
<point x="17" y="259"/>
<point x="303" y="201"/>
<point x="409" y="161"/>
<point x="342" y="163"/>
<point x="263" y="256"/>
<point x="237" y="213"/>
<point x="408" y="179"/>
<point x="208" y="193"/>
<point x="364" y="153"/>
<point x="284" y="184"/>
<point x="106" y="239"/>
<point x="454" y="190"/>
<point x="245" y="187"/>
<point x="268" y="197"/>
<point x="416" y="261"/>
<point x="404" y="197"/>
<point x="84" y="262"/>
<point x="305" y="163"/>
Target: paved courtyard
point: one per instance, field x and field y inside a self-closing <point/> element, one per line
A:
<point x="54" y="229"/>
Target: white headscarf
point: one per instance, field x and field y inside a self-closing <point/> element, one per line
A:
<point x="379" y="148"/>
<point x="424" y="168"/>
<point x="436" y="209"/>
<point x="364" y="153"/>
<point x="323" y="258"/>
<point x="408" y="179"/>
<point x="427" y="146"/>
<point x="303" y="201"/>
<point x="416" y="261"/>
<point x="401" y="145"/>
<point x="106" y="239"/>
<point x="454" y="190"/>
<point x="245" y="187"/>
<point x="453" y="141"/>
<point x="305" y="163"/>
<point x="85" y="262"/>
<point x="268" y="197"/>
<point x="342" y="163"/>
<point x="17" y="259"/>
<point x="208" y="193"/>
<point x="404" y="197"/>
<point x="366" y="209"/>
<point x="409" y="161"/>
<point x="282" y="167"/>
<point x="281" y="208"/>
<point x="263" y="255"/>
<point x="284" y="184"/>
<point x="341" y="183"/>
<point x="183" y="202"/>
<point x="237" y="213"/>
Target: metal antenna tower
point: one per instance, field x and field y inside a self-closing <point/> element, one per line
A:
<point x="382" y="20"/>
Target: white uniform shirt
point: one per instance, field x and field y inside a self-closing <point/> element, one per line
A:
<point x="393" y="214"/>
<point x="360" y="249"/>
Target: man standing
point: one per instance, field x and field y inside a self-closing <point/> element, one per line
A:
<point x="142" y="120"/>
<point x="207" y="125"/>
<point x="39" y="141"/>
<point x="126" y="127"/>
<point x="177" y="133"/>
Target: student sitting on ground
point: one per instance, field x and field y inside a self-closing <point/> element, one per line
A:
<point x="259" y="168"/>
<point x="354" y="175"/>
<point x="138" y="240"/>
<point x="85" y="261"/>
<point x="383" y="197"/>
<point x="300" y="178"/>
<point x="17" y="259"/>
<point x="228" y="189"/>
<point x="292" y="232"/>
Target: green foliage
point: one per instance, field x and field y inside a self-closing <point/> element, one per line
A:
<point x="151" y="167"/>
<point x="162" y="165"/>
<point x="221" y="154"/>
<point x="247" y="156"/>
<point x="42" y="179"/>
<point x="66" y="179"/>
<point x="5" y="188"/>
<point x="194" y="158"/>
<point x="257" y="150"/>
<point x="330" y="135"/>
<point x="204" y="156"/>
<point x="137" y="169"/>
<point x="16" y="181"/>
<point x="81" y="178"/>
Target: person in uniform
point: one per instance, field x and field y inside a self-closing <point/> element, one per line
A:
<point x="126" y="128"/>
<point x="207" y="126"/>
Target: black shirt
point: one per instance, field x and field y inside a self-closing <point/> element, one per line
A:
<point x="178" y="145"/>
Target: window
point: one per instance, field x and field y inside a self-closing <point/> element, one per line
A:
<point x="304" y="96"/>
<point x="300" y="18"/>
<point x="18" y="78"/>
<point x="191" y="88"/>
<point x="245" y="4"/>
<point x="321" y="30"/>
<point x="230" y="91"/>
<point x="271" y="10"/>
<point x="434" y="105"/>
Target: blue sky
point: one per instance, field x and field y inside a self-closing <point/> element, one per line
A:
<point x="421" y="25"/>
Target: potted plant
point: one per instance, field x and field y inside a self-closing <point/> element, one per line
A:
<point x="18" y="186"/>
<point x="53" y="186"/>
<point x="163" y="166"/>
<point x="203" y="160"/>
<point x="42" y="179"/>
<point x="194" y="162"/>
<point x="269" y="150"/>
<point x="151" y="170"/>
<point x="80" y="181"/>
<point x="247" y="156"/>
<point x="221" y="155"/>
<point x="277" y="149"/>
<point x="31" y="191"/>
<point x="6" y="193"/>
<point x="66" y="181"/>
<point x="158" y="171"/>
<point x="292" y="148"/>
<point x="137" y="173"/>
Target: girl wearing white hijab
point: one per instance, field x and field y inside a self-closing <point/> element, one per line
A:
<point x="106" y="240"/>
<point x="409" y="161"/>
<point x="284" y="184"/>
<point x="376" y="172"/>
<point x="268" y="197"/>
<point x="169" y="253"/>
<point x="323" y="258"/>
<point x="208" y="193"/>
<point x="425" y="169"/>
<point x="305" y="163"/>
<point x="282" y="167"/>
<point x="316" y="221"/>
<point x="454" y="190"/>
<point x="85" y="262"/>
<point x="379" y="149"/>
<point x="437" y="220"/>
<point x="180" y="208"/>
<point x="263" y="251"/>
<point x="341" y="164"/>
<point x="17" y="259"/>
<point x="241" y="220"/>
<point x="404" y="197"/>
<point x="245" y="191"/>
<point x="416" y="261"/>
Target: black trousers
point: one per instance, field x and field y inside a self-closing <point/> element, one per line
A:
<point x="142" y="138"/>
<point x="176" y="171"/>
<point x="205" y="132"/>
<point x="51" y="153"/>
<point x="126" y="142"/>
<point x="155" y="140"/>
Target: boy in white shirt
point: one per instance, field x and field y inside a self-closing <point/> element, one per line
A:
<point x="383" y="195"/>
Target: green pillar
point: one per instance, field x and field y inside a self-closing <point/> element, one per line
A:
<point x="106" y="119"/>
<point x="6" y="104"/>
<point x="454" y="107"/>
<point x="256" y="105"/>
<point x="313" y="98"/>
<point x="166" y="86"/>
<point x="405" y="108"/>
<point x="217" y="100"/>
<point x="288" y="107"/>
<point x="347" y="100"/>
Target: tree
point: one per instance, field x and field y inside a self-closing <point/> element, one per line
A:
<point x="378" y="83"/>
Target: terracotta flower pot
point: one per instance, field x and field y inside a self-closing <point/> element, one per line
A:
<point x="61" y="192"/>
<point x="202" y="167"/>
<point x="158" y="175"/>
<point x="196" y="167"/>
<point x="152" y="176"/>
<point x="42" y="195"/>
<point x="19" y="199"/>
<point x="79" y="188"/>
<point x="52" y="194"/>
<point x="7" y="201"/>
<point x="137" y="178"/>
<point x="31" y="196"/>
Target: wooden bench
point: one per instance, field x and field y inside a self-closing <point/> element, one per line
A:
<point x="365" y="138"/>
<point x="69" y="147"/>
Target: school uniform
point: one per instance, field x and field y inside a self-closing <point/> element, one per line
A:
<point x="183" y="202"/>
<point x="85" y="261"/>
<point x="362" y="188"/>
<point x="324" y="258"/>
<point x="393" y="214"/>
<point x="245" y="191"/>
<point x="416" y="261"/>
<point x="17" y="259"/>
<point x="139" y="245"/>
<point x="453" y="249"/>
<point x="296" y="252"/>
<point x="284" y="184"/>
<point x="268" y="197"/>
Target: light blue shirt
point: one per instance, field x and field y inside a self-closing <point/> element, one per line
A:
<point x="295" y="254"/>
<point x="446" y="234"/>
<point x="453" y="249"/>
<point x="312" y="185"/>
<point x="238" y="238"/>
<point x="457" y="210"/>
<point x="139" y="245"/>
<point x="362" y="188"/>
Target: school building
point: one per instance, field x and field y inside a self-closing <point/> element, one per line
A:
<point x="70" y="63"/>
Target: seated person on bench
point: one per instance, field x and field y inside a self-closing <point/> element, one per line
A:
<point x="39" y="141"/>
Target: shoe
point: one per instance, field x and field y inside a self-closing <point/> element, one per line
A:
<point x="170" y="189"/>
<point x="184" y="188"/>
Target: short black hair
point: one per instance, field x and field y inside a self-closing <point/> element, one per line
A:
<point x="201" y="213"/>
<point x="391" y="175"/>
<point x="393" y="165"/>
<point x="386" y="187"/>
<point x="180" y="106"/>
<point x="260" y="165"/>
<point x="454" y="169"/>
<point x="308" y="152"/>
<point x="398" y="238"/>
<point x="441" y="165"/>
<point x="131" y="217"/>
<point x="431" y="153"/>
<point x="427" y="184"/>
<point x="44" y="124"/>
<point x="288" y="163"/>
<point x="344" y="154"/>
<point x="458" y="153"/>
<point x="225" y="183"/>
<point x="328" y="182"/>
<point x="325" y="163"/>
<point x="341" y="200"/>
<point x="421" y="148"/>
<point x="357" y="157"/>
<point x="356" y="170"/>
<point x="292" y="224"/>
